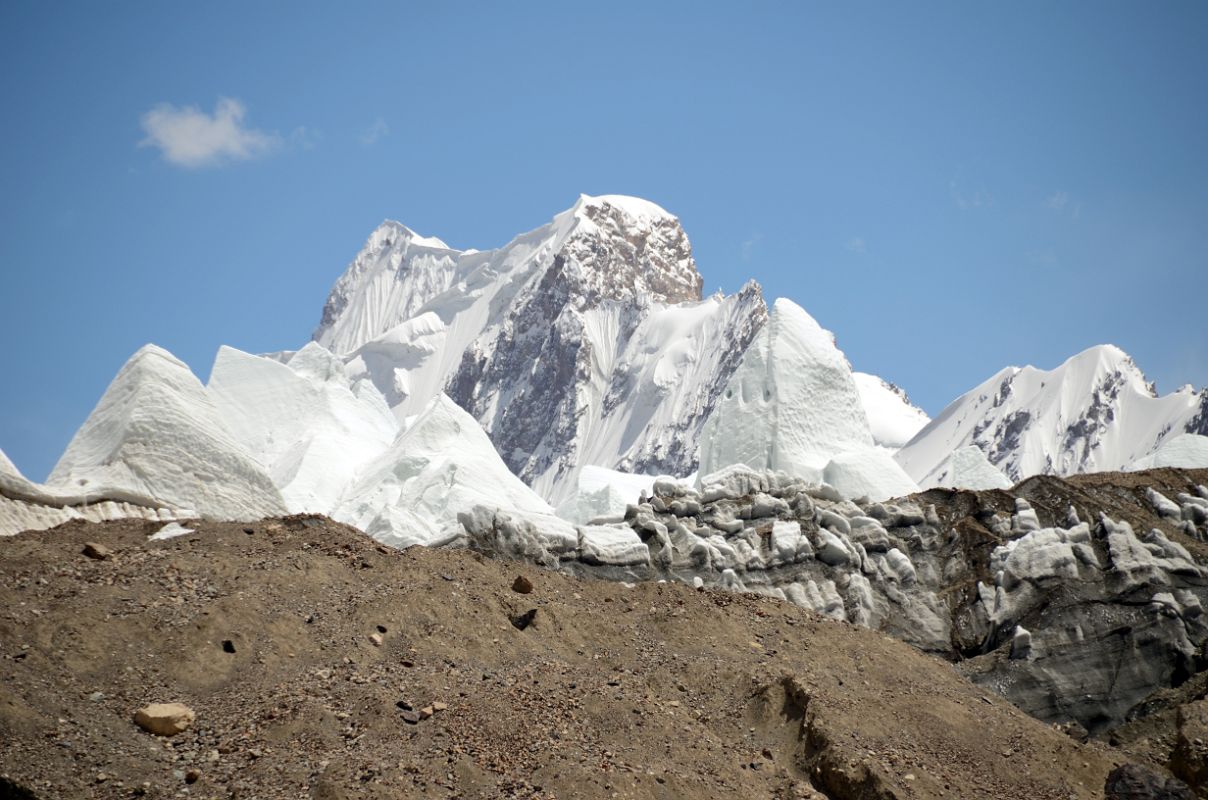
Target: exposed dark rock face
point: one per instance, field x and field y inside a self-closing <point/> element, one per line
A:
<point x="533" y="381"/>
<point x="1200" y="423"/>
<point x="585" y="341"/>
<point x="1134" y="782"/>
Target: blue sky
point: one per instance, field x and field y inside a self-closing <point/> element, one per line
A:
<point x="950" y="188"/>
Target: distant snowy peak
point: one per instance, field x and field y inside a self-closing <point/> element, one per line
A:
<point x="602" y="248"/>
<point x="1095" y="412"/>
<point x="893" y="419"/>
<point x="393" y="276"/>
<point x="584" y="341"/>
<point x="623" y="247"/>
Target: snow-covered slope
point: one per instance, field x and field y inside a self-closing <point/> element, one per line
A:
<point x="791" y="405"/>
<point x="892" y="418"/>
<point x="7" y="467"/>
<point x="585" y="341"/>
<point x="967" y="468"/>
<point x="1095" y="412"/>
<point x="157" y="434"/>
<point x="1186" y="451"/>
<point x="441" y="465"/>
<point x="304" y="421"/>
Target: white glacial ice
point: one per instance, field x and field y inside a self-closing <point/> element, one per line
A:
<point x="793" y="406"/>
<point x="304" y="421"/>
<point x="1188" y="451"/>
<point x="869" y="472"/>
<point x="967" y="468"/>
<point x="157" y="434"/>
<point x="892" y="418"/>
<point x="442" y="464"/>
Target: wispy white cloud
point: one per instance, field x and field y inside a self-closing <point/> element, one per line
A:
<point x="855" y="245"/>
<point x="966" y="199"/>
<point x="1057" y="201"/>
<point x="1060" y="202"/>
<point x="191" y="138"/>
<point x="375" y="132"/>
<point x="748" y="247"/>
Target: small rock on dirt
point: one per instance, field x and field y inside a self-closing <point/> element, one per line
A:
<point x="164" y="719"/>
<point x="96" y="551"/>
<point x="522" y="585"/>
<point x="522" y="621"/>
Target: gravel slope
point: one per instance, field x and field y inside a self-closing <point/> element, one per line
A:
<point x="654" y="691"/>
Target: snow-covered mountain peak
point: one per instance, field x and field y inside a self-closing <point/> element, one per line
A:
<point x="1107" y="361"/>
<point x="391" y="233"/>
<point x="624" y="247"/>
<point x="1096" y="411"/>
<point x="634" y="207"/>
<point x="601" y="249"/>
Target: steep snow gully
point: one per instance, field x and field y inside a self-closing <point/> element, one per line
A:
<point x="571" y="398"/>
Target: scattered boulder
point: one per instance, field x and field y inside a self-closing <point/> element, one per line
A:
<point x="98" y="552"/>
<point x="1189" y="760"/>
<point x="522" y="621"/>
<point x="164" y="719"/>
<point x="376" y="639"/>
<point x="1134" y="782"/>
<point x="522" y="585"/>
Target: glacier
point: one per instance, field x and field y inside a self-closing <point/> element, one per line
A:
<point x="793" y="406"/>
<point x="593" y="370"/>
<point x="157" y="433"/>
<point x="893" y="420"/>
<point x="309" y="426"/>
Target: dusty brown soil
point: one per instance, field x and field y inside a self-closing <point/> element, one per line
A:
<point x="654" y="691"/>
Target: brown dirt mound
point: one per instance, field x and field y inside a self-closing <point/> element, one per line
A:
<point x="656" y="691"/>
